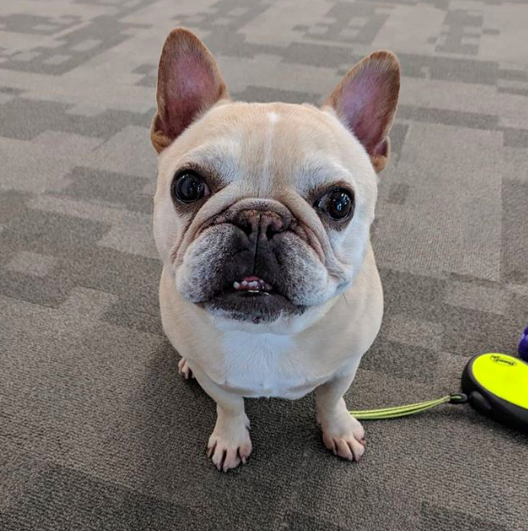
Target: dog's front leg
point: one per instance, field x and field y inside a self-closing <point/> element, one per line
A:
<point x="342" y="433"/>
<point x="229" y="444"/>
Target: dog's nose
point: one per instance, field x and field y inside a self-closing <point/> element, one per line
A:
<point x="262" y="223"/>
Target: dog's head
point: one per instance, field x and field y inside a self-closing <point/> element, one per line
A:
<point x="262" y="211"/>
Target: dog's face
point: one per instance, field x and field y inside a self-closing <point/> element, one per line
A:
<point x="262" y="211"/>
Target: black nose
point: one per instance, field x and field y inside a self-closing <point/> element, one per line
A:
<point x="262" y="223"/>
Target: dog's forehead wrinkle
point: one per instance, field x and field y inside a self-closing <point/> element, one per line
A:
<point x="322" y="168"/>
<point x="266" y="180"/>
<point x="220" y="155"/>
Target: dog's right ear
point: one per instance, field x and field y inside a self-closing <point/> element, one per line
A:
<point x="189" y="83"/>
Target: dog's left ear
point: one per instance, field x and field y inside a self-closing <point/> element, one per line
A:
<point x="365" y="101"/>
<point x="189" y="83"/>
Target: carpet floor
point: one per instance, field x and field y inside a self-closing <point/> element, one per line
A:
<point x="97" y="429"/>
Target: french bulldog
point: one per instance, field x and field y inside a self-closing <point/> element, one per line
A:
<point x="262" y="217"/>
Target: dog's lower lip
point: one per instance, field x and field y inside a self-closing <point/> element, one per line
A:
<point x="252" y="293"/>
<point x="254" y="305"/>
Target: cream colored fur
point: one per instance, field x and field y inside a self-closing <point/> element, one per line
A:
<point x="274" y="152"/>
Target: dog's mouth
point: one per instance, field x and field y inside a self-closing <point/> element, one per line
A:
<point x="251" y="298"/>
<point x="254" y="285"/>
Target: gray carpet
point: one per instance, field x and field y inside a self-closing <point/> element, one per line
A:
<point x="97" y="430"/>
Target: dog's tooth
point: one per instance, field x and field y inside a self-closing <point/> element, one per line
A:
<point x="236" y="285"/>
<point x="244" y="283"/>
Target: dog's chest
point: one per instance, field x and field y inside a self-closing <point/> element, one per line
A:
<point x="264" y="365"/>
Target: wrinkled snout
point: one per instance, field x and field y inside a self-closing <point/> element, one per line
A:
<point x="253" y="261"/>
<point x="262" y="223"/>
<point x="258" y="229"/>
<point x="258" y="219"/>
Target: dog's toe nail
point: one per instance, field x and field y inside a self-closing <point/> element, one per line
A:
<point x="210" y="450"/>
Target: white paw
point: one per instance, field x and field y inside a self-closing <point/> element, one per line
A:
<point x="183" y="368"/>
<point x="345" y="437"/>
<point x="229" y="444"/>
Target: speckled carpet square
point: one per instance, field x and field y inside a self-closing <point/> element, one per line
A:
<point x="97" y="430"/>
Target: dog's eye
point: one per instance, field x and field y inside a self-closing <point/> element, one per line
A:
<point x="337" y="204"/>
<point x="189" y="187"/>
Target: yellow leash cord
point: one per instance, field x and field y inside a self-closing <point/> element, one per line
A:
<point x="409" y="409"/>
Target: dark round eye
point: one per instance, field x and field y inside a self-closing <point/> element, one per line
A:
<point x="189" y="187"/>
<point x="337" y="204"/>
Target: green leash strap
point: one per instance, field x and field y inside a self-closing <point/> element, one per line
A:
<point x="409" y="409"/>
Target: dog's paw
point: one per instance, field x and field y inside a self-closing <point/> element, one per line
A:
<point x="183" y="368"/>
<point x="229" y="444"/>
<point x="345" y="437"/>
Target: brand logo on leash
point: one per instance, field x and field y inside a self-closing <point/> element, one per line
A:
<point x="504" y="361"/>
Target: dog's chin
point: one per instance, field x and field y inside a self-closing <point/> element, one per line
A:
<point x="259" y="307"/>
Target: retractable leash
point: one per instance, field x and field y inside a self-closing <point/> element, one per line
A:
<point x="494" y="384"/>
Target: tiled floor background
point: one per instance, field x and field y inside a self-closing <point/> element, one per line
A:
<point x="97" y="431"/>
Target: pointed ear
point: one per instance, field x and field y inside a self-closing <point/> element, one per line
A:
<point x="365" y="101"/>
<point x="189" y="83"/>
